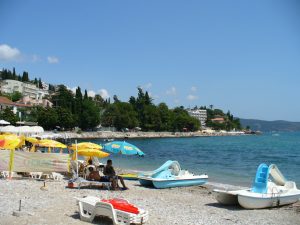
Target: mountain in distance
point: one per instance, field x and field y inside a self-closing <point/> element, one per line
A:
<point x="265" y="126"/>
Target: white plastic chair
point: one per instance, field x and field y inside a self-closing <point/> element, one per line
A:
<point x="90" y="206"/>
<point x="57" y="176"/>
<point x="36" y="175"/>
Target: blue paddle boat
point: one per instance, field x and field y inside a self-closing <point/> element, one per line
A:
<point x="170" y="175"/>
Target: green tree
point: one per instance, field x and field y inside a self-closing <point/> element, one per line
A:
<point x="25" y="77"/>
<point x="90" y="117"/>
<point x="47" y="118"/>
<point x="40" y="84"/>
<point x="65" y="118"/>
<point x="120" y="115"/>
<point x="16" y="96"/>
<point x="8" y="115"/>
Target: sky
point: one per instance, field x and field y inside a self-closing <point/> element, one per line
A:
<point x="242" y="56"/>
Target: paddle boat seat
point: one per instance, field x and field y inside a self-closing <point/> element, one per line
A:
<point x="119" y="210"/>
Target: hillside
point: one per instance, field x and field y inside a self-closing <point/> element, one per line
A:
<point x="277" y="125"/>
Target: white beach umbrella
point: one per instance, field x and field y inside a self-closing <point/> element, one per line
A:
<point x="24" y="129"/>
<point x="9" y="129"/>
<point x="37" y="129"/>
<point x="4" y="122"/>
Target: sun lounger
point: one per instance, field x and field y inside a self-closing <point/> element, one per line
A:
<point x="57" y="176"/>
<point x="83" y="182"/>
<point x="5" y="174"/>
<point x="90" y="206"/>
<point x="36" y="175"/>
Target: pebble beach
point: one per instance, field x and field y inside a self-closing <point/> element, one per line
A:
<point x="56" y="204"/>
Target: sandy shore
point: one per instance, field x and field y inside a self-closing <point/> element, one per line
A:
<point x="193" y="205"/>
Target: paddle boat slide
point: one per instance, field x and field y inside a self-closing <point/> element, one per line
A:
<point x="269" y="189"/>
<point x="170" y="175"/>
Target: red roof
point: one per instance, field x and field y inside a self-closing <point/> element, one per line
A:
<point x="4" y="100"/>
<point x="218" y="119"/>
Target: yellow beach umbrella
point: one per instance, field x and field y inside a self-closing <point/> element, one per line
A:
<point x="92" y="153"/>
<point x="11" y="141"/>
<point x="85" y="145"/>
<point x="32" y="140"/>
<point x="51" y="143"/>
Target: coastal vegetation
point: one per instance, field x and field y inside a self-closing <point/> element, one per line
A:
<point x="77" y="109"/>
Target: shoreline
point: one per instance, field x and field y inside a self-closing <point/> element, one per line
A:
<point x="135" y="135"/>
<point x="188" y="205"/>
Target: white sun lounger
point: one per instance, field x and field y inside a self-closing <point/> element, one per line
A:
<point x="36" y="175"/>
<point x="83" y="182"/>
<point x="57" y="176"/>
<point x="90" y="206"/>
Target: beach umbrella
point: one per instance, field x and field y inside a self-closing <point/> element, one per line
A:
<point x="51" y="143"/>
<point x="10" y="141"/>
<point x="9" y="129"/>
<point x="122" y="147"/>
<point x="85" y="145"/>
<point x="4" y="122"/>
<point x="32" y="140"/>
<point x="92" y="153"/>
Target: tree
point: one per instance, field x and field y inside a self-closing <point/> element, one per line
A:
<point x="8" y="115"/>
<point x="25" y="77"/>
<point x="115" y="97"/>
<point x="40" y="84"/>
<point x="64" y="98"/>
<point x="65" y="118"/>
<point x="90" y="117"/>
<point x="16" y="96"/>
<point x="165" y="117"/>
<point x="120" y="115"/>
<point x="47" y="118"/>
<point x="85" y="95"/>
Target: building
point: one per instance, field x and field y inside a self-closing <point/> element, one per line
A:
<point x="26" y="89"/>
<point x="5" y="103"/>
<point x="200" y="114"/>
<point x="218" y="120"/>
<point x="41" y="102"/>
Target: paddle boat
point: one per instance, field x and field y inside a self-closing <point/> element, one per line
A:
<point x="269" y="189"/>
<point x="170" y="175"/>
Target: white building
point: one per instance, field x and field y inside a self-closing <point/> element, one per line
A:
<point x="200" y="114"/>
<point x="26" y="89"/>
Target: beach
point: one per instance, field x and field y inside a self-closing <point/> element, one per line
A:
<point x="184" y="206"/>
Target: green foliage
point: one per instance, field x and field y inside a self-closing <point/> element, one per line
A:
<point x="47" y="118"/>
<point x="120" y="115"/>
<point x="230" y="122"/>
<point x="15" y="96"/>
<point x="90" y="116"/>
<point x="65" y="118"/>
<point x="8" y="115"/>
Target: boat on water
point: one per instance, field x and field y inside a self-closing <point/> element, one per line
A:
<point x="170" y="175"/>
<point x="269" y="189"/>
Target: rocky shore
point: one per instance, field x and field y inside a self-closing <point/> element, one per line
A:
<point x="129" y="135"/>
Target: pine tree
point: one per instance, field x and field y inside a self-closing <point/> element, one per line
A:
<point x="40" y="83"/>
<point x="85" y="94"/>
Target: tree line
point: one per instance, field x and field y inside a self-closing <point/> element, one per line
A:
<point x="79" y="110"/>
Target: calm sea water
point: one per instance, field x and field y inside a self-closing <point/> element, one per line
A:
<point x="227" y="160"/>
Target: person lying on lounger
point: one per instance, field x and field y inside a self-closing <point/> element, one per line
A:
<point x="111" y="173"/>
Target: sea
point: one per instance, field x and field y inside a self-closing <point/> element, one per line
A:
<point x="229" y="160"/>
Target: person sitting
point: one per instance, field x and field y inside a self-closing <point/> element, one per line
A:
<point x="111" y="173"/>
<point x="89" y="168"/>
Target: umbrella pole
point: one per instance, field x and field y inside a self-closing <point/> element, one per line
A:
<point x="76" y="158"/>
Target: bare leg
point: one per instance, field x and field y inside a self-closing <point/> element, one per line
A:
<point x="122" y="182"/>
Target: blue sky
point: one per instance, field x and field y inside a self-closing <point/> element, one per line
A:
<point x="238" y="55"/>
